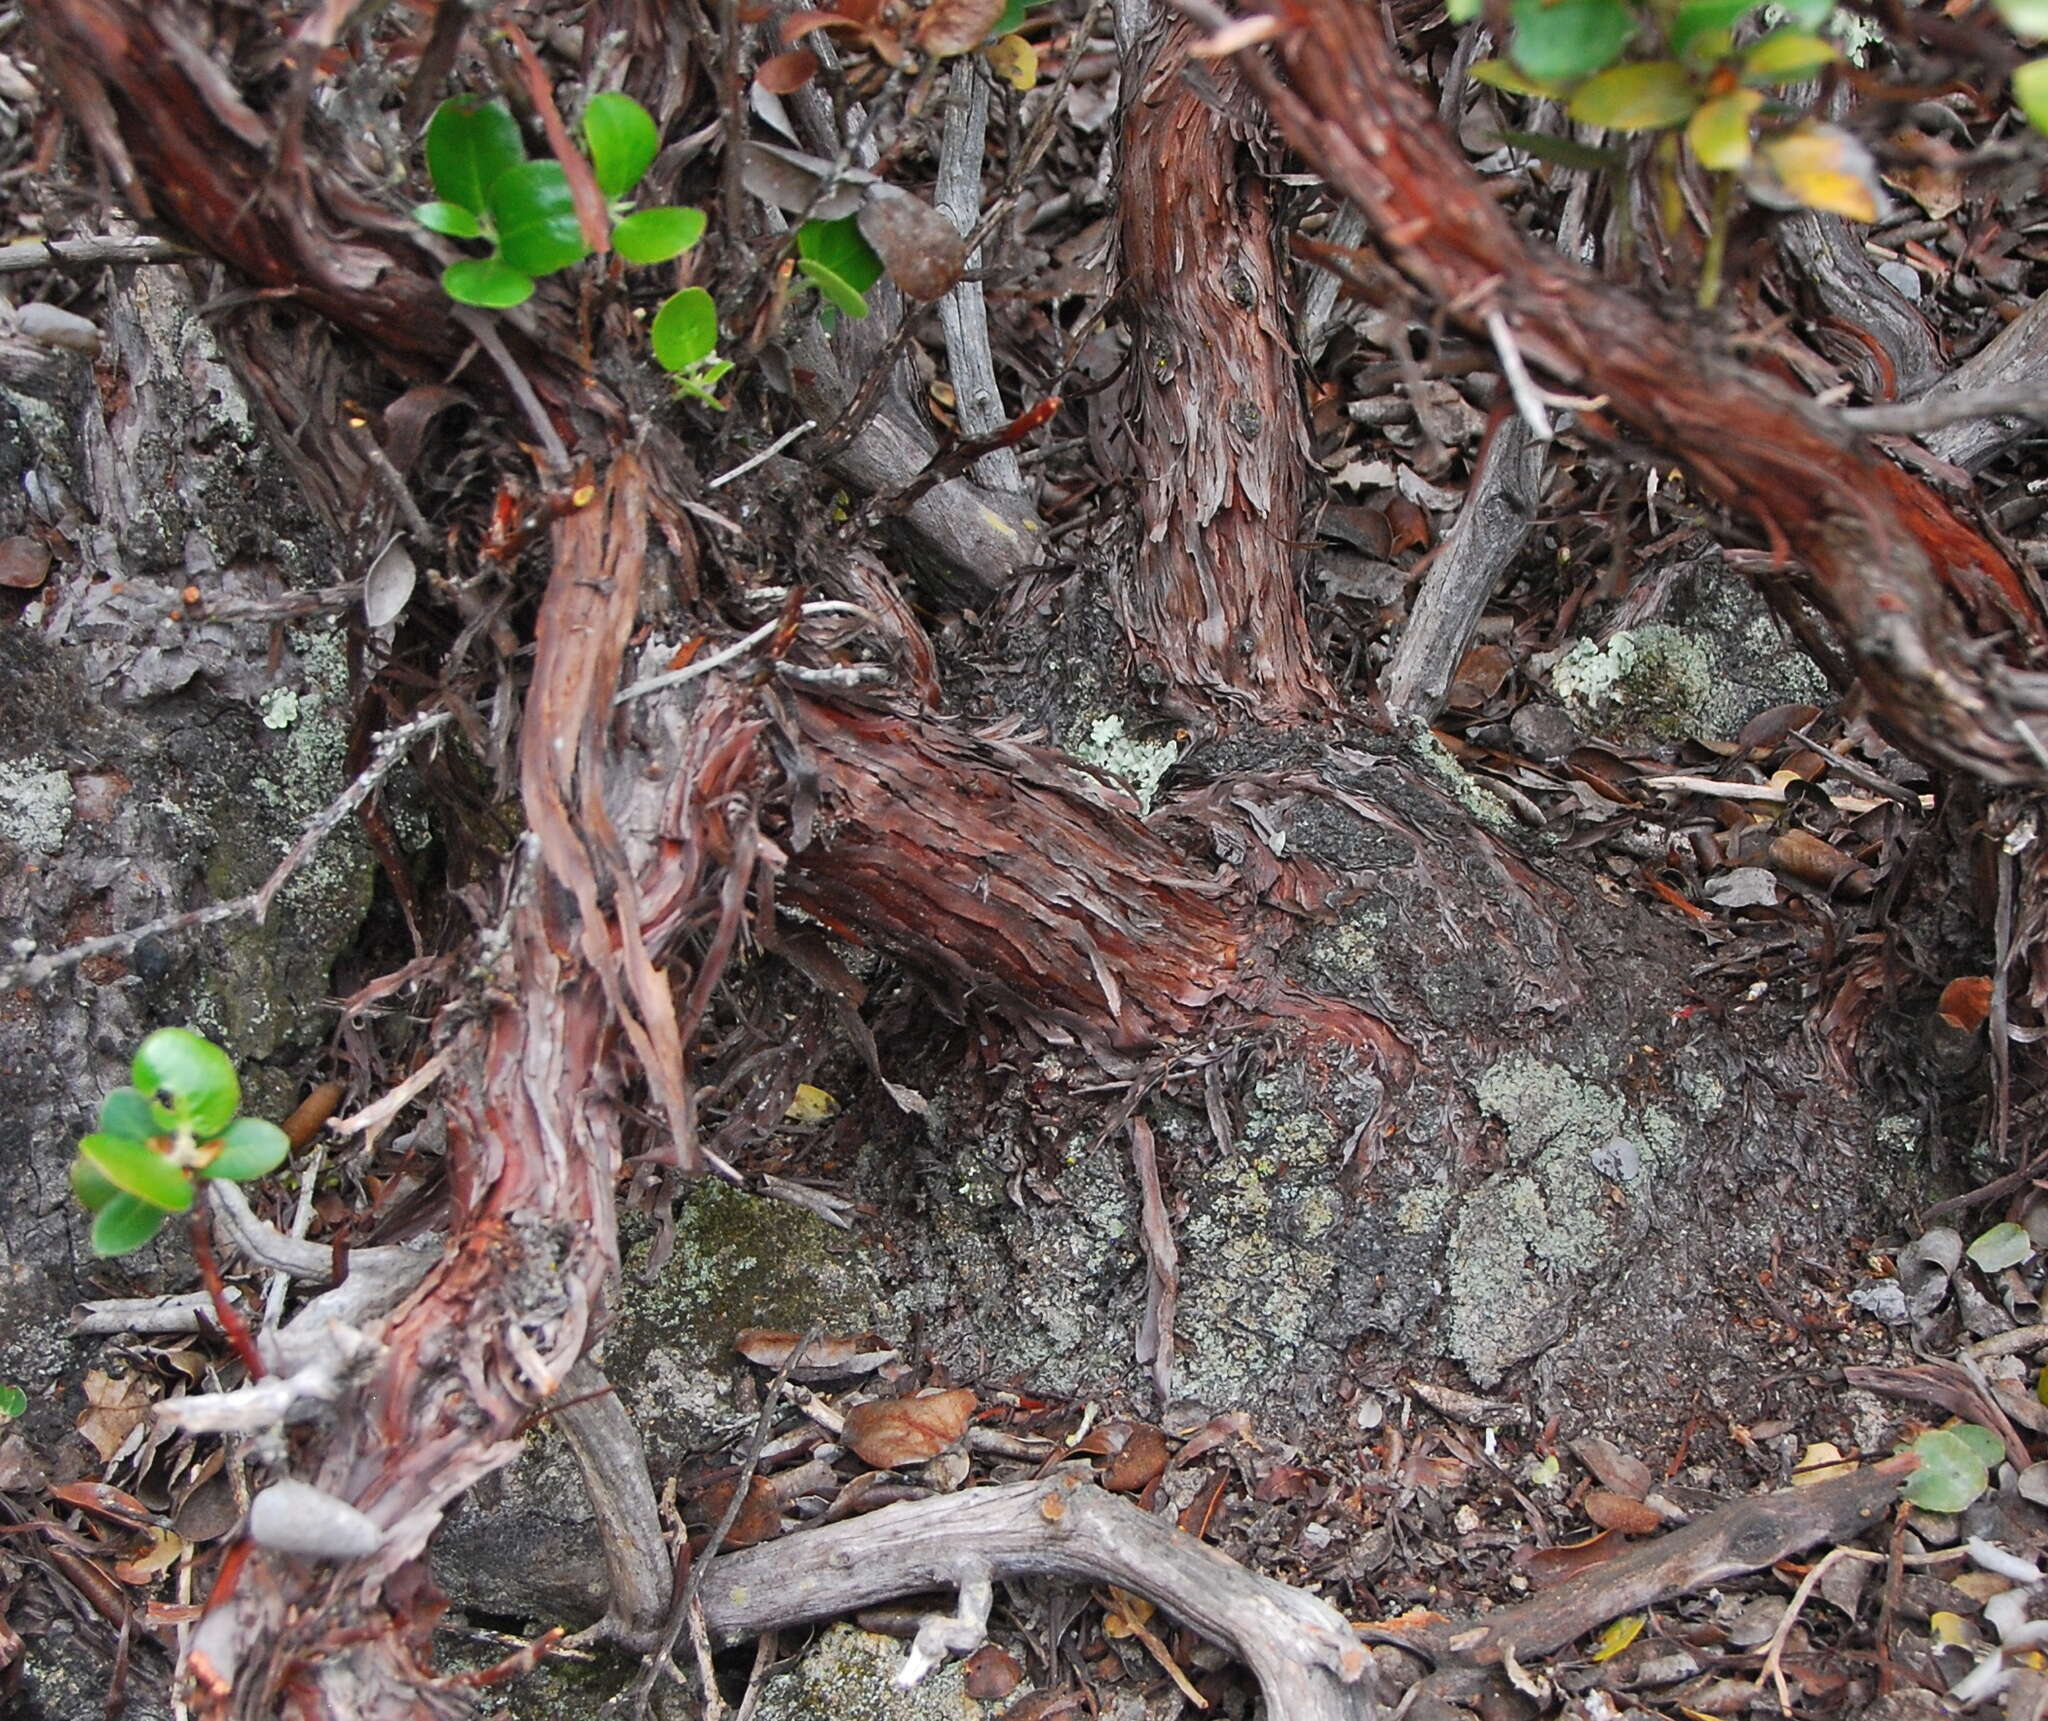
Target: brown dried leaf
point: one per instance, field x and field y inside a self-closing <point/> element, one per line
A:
<point x="783" y="74"/>
<point x="145" y="1568"/>
<point x="956" y="26"/>
<point x="992" y="1673"/>
<point x="104" y="1500"/>
<point x="1966" y="1001"/>
<point x="823" y="1358"/>
<point x="1815" y="861"/>
<point x="1618" y="1470"/>
<point x="114" y="1410"/>
<point x="760" y="1514"/>
<point x="1612" y="1511"/>
<point x="1553" y="1565"/>
<point x="24" y="564"/>
<point x="892" y="1432"/>
<point x="923" y="251"/>
<point x="1138" y="1462"/>
<point x="1478" y="676"/>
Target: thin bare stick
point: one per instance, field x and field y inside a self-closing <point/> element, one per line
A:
<point x="515" y="379"/>
<point x="963" y="312"/>
<point x="738" y="649"/>
<point x="685" y="1599"/>
<point x="389" y="748"/>
<point x="1934" y="411"/>
<point x="1774" y="1652"/>
<point x="1528" y="398"/>
<point x="373" y="1117"/>
<point x="767" y="454"/>
<point x="94" y="251"/>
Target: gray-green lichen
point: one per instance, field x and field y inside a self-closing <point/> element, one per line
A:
<point x="739" y="1261"/>
<point x="1140" y="765"/>
<point x="1652" y="680"/>
<point x="1574" y="1195"/>
<point x="849" y="1674"/>
<point x="1478" y="800"/>
<point x="35" y="806"/>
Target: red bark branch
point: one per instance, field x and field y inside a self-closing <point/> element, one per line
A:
<point x="1890" y="565"/>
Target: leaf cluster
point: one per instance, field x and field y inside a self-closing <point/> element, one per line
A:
<point x="176" y="1127"/>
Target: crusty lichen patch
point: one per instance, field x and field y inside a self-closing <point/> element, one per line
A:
<point x="1574" y="1194"/>
<point x="739" y="1261"/>
<point x="849" y="1674"/>
<point x="1653" y="680"/>
<point x="35" y="806"/>
<point x="1140" y="765"/>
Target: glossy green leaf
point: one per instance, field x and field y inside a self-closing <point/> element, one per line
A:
<point x="125" y="1111"/>
<point x="2001" y="1247"/>
<point x="1699" y="19"/>
<point x="1719" y="131"/>
<point x="1570" y="39"/>
<point x="470" y="145"/>
<point x="137" y="1170"/>
<point x="685" y="330"/>
<point x="1502" y="75"/>
<point x="656" y="235"/>
<point x="2030" y="90"/>
<point x="1647" y="95"/>
<point x="250" y="1148"/>
<point x="623" y="142"/>
<point x="487" y="281"/>
<point x="124" y="1224"/>
<point x="836" y="260"/>
<point x="13" y="1403"/>
<point x="92" y="1189"/>
<point x="535" y="214"/>
<point x="2026" y="19"/>
<point x="189" y="1081"/>
<point x="1980" y="1440"/>
<point x="1952" y="1473"/>
<point x="1012" y="19"/>
<point x="449" y="218"/>
<point x="1788" y="57"/>
<point x="1564" y="151"/>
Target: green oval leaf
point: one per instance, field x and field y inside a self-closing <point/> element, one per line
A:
<point x="13" y="1403"/>
<point x="189" y="1081"/>
<point x="250" y="1148"/>
<point x="124" y="1224"/>
<point x="1645" y="96"/>
<point x="1787" y="56"/>
<point x="1952" y="1473"/>
<point x="125" y="1111"/>
<point x="839" y="262"/>
<point x="487" y="281"/>
<point x="623" y="142"/>
<point x="1980" y="1440"/>
<point x="2001" y="1247"/>
<point x="535" y="215"/>
<point x="1719" y="132"/>
<point x="470" y="145"/>
<point x="449" y="218"/>
<point x="1571" y="39"/>
<point x="656" y="235"/>
<point x="2030" y="90"/>
<point x="1702" y="18"/>
<point x="89" y="1186"/>
<point x="685" y="329"/>
<point x="139" y="1171"/>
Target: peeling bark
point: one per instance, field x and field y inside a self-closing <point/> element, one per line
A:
<point x="1212" y="601"/>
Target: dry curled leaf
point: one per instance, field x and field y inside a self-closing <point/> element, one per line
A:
<point x="823" y="1358"/>
<point x="760" y="1514"/>
<point x="992" y="1673"/>
<point x="892" y="1432"/>
<point x="1137" y="1460"/>
<point x="1612" y="1511"/>
<point x="956" y="26"/>
<point x="114" y="1410"/>
<point x="923" y="251"/>
<point x="784" y="73"/>
<point x="1966" y="1002"/>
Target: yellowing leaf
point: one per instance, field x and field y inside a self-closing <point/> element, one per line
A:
<point x="1501" y="75"/>
<point x="1786" y="56"/>
<point x="1014" y="60"/>
<point x="1820" y="1462"/>
<point x="1719" y="131"/>
<point x="1817" y="166"/>
<point x="811" y="1105"/>
<point x="1646" y="96"/>
<point x="1618" y="1637"/>
<point x="1949" y="1628"/>
<point x="2030" y="90"/>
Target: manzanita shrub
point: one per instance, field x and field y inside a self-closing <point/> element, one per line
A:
<point x="156" y="1141"/>
<point x="487" y="188"/>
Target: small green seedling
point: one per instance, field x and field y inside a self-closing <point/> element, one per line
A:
<point x="13" y="1403"/>
<point x="685" y="339"/>
<point x="839" y="262"/>
<point x="175" y="1126"/>
<point x="486" y="188"/>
